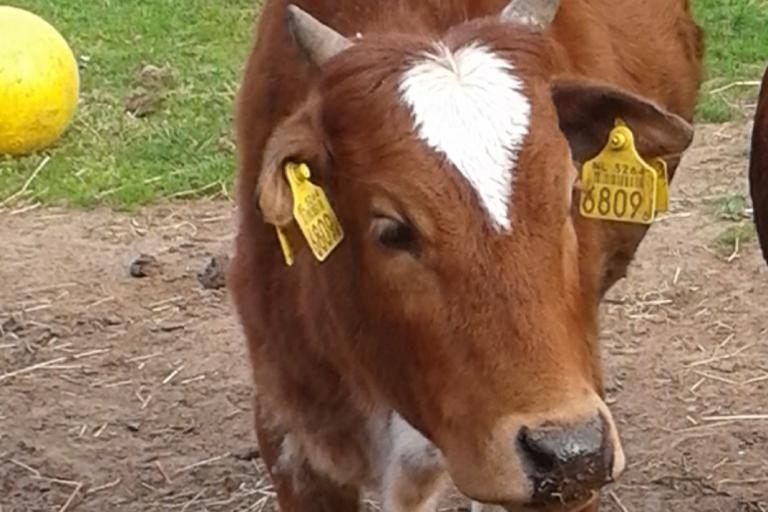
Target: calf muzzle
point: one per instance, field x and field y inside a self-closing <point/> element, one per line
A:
<point x="566" y="463"/>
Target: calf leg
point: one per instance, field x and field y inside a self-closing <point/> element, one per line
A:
<point x="413" y="491"/>
<point x="594" y="506"/>
<point x="415" y="475"/>
<point x="479" y="507"/>
<point x="299" y="488"/>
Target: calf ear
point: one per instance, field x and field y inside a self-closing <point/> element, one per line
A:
<point x="297" y="139"/>
<point x="758" y="167"/>
<point x="587" y="112"/>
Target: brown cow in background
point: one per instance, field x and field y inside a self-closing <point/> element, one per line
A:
<point x="758" y="167"/>
<point x="452" y="335"/>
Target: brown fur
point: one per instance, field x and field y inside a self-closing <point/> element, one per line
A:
<point x="758" y="167"/>
<point x="483" y="325"/>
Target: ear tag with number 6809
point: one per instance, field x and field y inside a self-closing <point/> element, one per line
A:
<point x="618" y="185"/>
<point x="313" y="215"/>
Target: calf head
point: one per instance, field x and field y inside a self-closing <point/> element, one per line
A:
<point x="465" y="294"/>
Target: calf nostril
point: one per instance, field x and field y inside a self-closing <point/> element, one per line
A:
<point x="539" y="455"/>
<point x="566" y="462"/>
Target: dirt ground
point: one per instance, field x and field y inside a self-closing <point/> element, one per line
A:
<point x="132" y="394"/>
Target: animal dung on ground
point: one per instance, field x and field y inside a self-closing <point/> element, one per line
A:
<point x="214" y="275"/>
<point x="144" y="265"/>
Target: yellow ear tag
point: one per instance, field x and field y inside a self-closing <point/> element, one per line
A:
<point x="662" y="187"/>
<point x="618" y="185"/>
<point x="313" y="214"/>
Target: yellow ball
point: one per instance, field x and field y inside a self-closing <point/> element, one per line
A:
<point x="39" y="83"/>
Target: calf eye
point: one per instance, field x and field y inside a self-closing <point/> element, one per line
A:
<point x="394" y="234"/>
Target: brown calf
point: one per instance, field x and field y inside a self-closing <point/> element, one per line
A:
<point x="758" y="167"/>
<point x="453" y="333"/>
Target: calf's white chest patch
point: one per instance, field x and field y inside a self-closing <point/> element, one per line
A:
<point x="469" y="105"/>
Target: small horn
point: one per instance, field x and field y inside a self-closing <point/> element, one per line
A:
<point x="319" y="42"/>
<point x="535" y="13"/>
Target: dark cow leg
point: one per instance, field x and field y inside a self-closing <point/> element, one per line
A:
<point x="299" y="488"/>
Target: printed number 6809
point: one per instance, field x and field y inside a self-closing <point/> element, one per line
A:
<point x="618" y="203"/>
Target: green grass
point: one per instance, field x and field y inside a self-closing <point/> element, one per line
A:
<point x="738" y="229"/>
<point x="183" y="147"/>
<point x="736" y="34"/>
<point x="730" y="207"/>
<point x="734" y="238"/>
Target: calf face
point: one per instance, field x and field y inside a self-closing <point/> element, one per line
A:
<point x="467" y="287"/>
